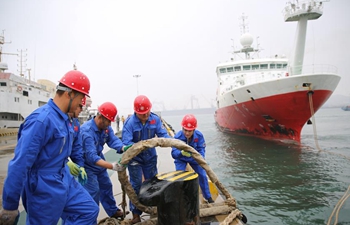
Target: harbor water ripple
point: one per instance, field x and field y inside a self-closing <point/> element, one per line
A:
<point x="281" y="183"/>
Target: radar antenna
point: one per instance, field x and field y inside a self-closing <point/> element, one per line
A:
<point x="2" y="41"/>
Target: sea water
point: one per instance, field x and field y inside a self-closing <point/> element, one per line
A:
<point x="281" y="183"/>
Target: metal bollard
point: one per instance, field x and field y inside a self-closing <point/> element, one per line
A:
<point x="176" y="196"/>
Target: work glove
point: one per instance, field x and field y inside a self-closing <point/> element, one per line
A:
<point x="117" y="166"/>
<point x="187" y="154"/>
<point x="9" y="217"/>
<point x="82" y="178"/>
<point x="126" y="147"/>
<point x="73" y="168"/>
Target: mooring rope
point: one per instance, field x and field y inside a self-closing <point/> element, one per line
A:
<point x="310" y="93"/>
<point x="234" y="214"/>
<point x="337" y="207"/>
<point x="227" y="206"/>
<point x="340" y="203"/>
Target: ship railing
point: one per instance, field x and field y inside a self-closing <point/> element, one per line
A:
<point x="312" y="69"/>
<point x="296" y="7"/>
<point x="233" y="82"/>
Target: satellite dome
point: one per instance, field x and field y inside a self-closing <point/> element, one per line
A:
<point x="246" y="40"/>
<point x="3" y="66"/>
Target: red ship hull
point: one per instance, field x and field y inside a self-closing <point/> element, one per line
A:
<point x="277" y="117"/>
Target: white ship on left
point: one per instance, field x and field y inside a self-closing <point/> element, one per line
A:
<point x="19" y="95"/>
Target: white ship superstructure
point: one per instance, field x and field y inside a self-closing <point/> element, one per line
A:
<point x="273" y="97"/>
<point x="19" y="95"/>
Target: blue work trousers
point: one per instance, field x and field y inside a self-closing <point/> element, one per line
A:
<point x="136" y="169"/>
<point x="100" y="188"/>
<point x="49" y="196"/>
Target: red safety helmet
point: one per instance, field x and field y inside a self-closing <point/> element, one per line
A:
<point x="108" y="110"/>
<point x="142" y="105"/>
<point x="189" y="122"/>
<point x="77" y="81"/>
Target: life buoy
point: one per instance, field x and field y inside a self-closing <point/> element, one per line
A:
<point x="287" y="74"/>
<point x="19" y="88"/>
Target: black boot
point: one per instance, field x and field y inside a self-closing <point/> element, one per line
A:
<point x="210" y="200"/>
<point x="118" y="215"/>
<point x="135" y="218"/>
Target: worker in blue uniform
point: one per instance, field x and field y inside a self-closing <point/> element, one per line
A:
<point x="76" y="164"/>
<point x="38" y="170"/>
<point x="95" y="134"/>
<point x="142" y="125"/>
<point x="194" y="138"/>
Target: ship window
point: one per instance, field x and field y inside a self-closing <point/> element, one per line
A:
<point x="263" y="66"/>
<point x="246" y="67"/>
<point x="230" y="69"/>
<point x="16" y="99"/>
<point x="284" y="65"/>
<point x="279" y="66"/>
<point x="223" y="70"/>
<point x="255" y="67"/>
<point x="272" y="66"/>
<point x="3" y="84"/>
<point x="237" y="68"/>
<point x="25" y="93"/>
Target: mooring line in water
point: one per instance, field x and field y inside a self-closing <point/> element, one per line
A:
<point x="338" y="207"/>
<point x="310" y="93"/>
<point x="340" y="203"/>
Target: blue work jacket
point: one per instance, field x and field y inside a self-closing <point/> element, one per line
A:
<point x="94" y="140"/>
<point x="134" y="131"/>
<point x="197" y="142"/>
<point x="77" y="148"/>
<point x="44" y="144"/>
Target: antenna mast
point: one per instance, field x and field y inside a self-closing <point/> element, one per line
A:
<point x="22" y="62"/>
<point x="244" y="24"/>
<point x="2" y="41"/>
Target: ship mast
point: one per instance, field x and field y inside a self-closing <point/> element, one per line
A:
<point x="3" y="66"/>
<point x="22" y="62"/>
<point x="246" y="39"/>
<point x="2" y="41"/>
<point x="301" y="11"/>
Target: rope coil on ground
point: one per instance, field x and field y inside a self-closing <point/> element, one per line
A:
<point x="234" y="214"/>
<point x="109" y="221"/>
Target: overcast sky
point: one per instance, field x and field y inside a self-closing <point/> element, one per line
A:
<point x="174" y="45"/>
